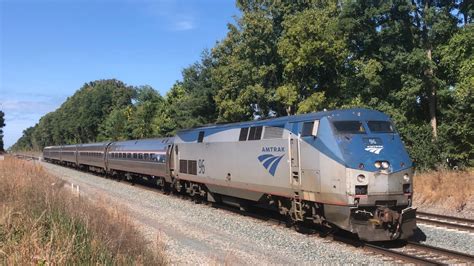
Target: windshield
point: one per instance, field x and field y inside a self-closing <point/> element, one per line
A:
<point x="349" y="127"/>
<point x="380" y="126"/>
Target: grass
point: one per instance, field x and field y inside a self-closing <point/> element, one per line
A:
<point x="444" y="188"/>
<point x="43" y="223"/>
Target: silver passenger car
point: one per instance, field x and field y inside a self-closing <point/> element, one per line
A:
<point x="146" y="156"/>
<point x="92" y="154"/>
<point x="52" y="153"/>
<point x="69" y="154"/>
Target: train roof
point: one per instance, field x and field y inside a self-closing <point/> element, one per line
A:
<point x="142" y="144"/>
<point x="344" y="114"/>
<point x="51" y="147"/>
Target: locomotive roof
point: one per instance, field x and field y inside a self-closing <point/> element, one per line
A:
<point x="344" y="114"/>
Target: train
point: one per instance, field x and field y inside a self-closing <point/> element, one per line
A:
<point x="343" y="169"/>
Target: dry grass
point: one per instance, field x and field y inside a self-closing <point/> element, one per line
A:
<point x="447" y="189"/>
<point x="30" y="153"/>
<point x="43" y="223"/>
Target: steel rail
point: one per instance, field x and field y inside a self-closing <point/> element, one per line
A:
<point x="467" y="258"/>
<point x="445" y="217"/>
<point x="399" y="255"/>
<point x="446" y="221"/>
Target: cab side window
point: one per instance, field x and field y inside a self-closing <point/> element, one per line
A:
<point x="310" y="128"/>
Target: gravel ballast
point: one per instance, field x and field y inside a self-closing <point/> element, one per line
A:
<point x="448" y="238"/>
<point x="199" y="234"/>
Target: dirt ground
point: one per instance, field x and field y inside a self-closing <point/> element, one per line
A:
<point x="445" y="192"/>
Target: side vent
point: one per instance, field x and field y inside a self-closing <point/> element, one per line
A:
<point x="188" y="167"/>
<point x="183" y="166"/>
<point x="273" y="133"/>
<point x="192" y="167"/>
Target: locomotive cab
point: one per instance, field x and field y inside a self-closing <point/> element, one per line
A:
<point x="378" y="177"/>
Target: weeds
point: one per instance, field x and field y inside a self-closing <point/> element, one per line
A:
<point x="448" y="189"/>
<point x="42" y="223"/>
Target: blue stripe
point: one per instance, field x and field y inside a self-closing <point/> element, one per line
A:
<point x="267" y="163"/>
<point x="263" y="157"/>
<point x="275" y="165"/>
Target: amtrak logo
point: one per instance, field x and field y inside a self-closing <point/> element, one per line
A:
<point x="374" y="149"/>
<point x="373" y="145"/>
<point x="270" y="162"/>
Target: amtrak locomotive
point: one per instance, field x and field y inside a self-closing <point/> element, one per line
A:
<point x="345" y="169"/>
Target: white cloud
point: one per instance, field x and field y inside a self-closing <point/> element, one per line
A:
<point x="184" y="25"/>
<point x="173" y="15"/>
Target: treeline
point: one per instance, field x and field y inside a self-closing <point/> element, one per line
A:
<point x="413" y="60"/>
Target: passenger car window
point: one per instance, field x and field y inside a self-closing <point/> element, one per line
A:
<point x="349" y="127"/>
<point x="380" y="126"/>
<point x="163" y="159"/>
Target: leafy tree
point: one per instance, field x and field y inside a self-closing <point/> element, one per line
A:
<point x="313" y="55"/>
<point x="411" y="59"/>
<point x="248" y="68"/>
<point x="117" y="125"/>
<point x="79" y="118"/>
<point x="25" y="141"/>
<point x="147" y="104"/>
<point x="457" y="69"/>
<point x="395" y="64"/>
<point x="189" y="102"/>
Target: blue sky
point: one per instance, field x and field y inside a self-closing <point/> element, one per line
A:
<point x="49" y="49"/>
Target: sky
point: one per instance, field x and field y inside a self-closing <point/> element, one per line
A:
<point x="50" y="48"/>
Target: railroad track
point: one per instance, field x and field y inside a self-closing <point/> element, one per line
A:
<point x="418" y="253"/>
<point x="450" y="222"/>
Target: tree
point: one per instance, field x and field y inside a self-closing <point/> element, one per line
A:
<point x="313" y="55"/>
<point x="189" y="102"/>
<point x="79" y="118"/>
<point x="411" y="59"/>
<point x="148" y="102"/>
<point x="248" y="68"/>
<point x="2" y="124"/>
<point x="457" y="110"/>
<point x="117" y="125"/>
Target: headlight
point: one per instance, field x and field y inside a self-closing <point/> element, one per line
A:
<point x="406" y="178"/>
<point x="378" y="165"/>
<point x="361" y="178"/>
<point x="385" y="165"/>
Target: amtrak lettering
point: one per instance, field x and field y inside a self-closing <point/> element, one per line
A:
<point x="273" y="149"/>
